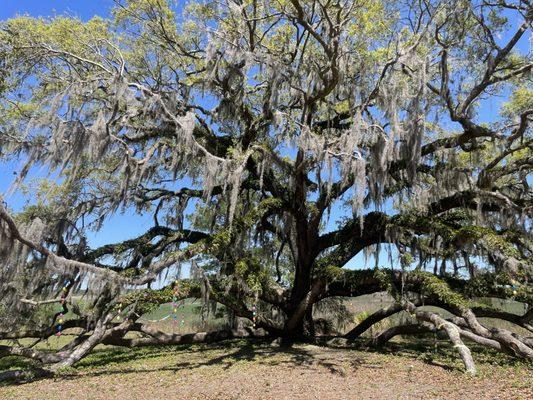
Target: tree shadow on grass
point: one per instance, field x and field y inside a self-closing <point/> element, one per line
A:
<point x="273" y="355"/>
<point x="102" y="357"/>
<point x="226" y="354"/>
<point x="234" y="352"/>
<point x="108" y="356"/>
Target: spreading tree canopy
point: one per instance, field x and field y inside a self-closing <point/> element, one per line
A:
<point x="272" y="141"/>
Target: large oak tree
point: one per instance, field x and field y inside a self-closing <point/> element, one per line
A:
<point x="272" y="141"/>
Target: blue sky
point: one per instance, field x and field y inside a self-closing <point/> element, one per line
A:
<point x="84" y="9"/>
<point x="128" y="225"/>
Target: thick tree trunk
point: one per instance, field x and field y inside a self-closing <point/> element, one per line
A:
<point x="300" y="324"/>
<point x="303" y="294"/>
<point x="308" y="323"/>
